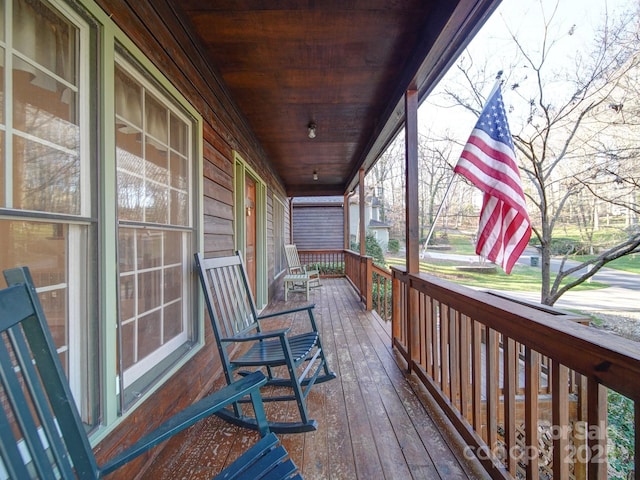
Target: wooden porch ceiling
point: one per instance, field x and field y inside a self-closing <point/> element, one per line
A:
<point x="341" y="64"/>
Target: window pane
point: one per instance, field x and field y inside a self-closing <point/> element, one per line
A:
<point x="149" y="334"/>
<point x="156" y="203"/>
<point x="156" y="116"/>
<point x="173" y="325"/>
<point x="153" y="294"/>
<point x="45" y="179"/>
<point x="173" y="248"/>
<point x="157" y="168"/>
<point x="2" y="20"/>
<point x="45" y="38"/>
<point x="44" y="247"/>
<point x="44" y="106"/>
<point x="45" y="109"/>
<point x="128" y="99"/>
<point x="179" y="172"/>
<point x="179" y="208"/>
<point x="128" y="344"/>
<point x="179" y="132"/>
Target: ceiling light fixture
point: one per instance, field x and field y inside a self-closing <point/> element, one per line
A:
<point x="315" y="175"/>
<point x="312" y="130"/>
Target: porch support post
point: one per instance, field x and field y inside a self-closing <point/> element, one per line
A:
<point x="361" y="233"/>
<point x="411" y="220"/>
<point x="411" y="172"/>
<point x="290" y="206"/>
<point x="347" y="222"/>
<point x="365" y="272"/>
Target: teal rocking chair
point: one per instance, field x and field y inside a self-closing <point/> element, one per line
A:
<point x="41" y="432"/>
<point x="236" y="324"/>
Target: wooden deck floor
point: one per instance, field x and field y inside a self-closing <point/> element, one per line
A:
<point x="374" y="421"/>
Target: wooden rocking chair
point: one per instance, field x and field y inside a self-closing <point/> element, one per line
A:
<point x="235" y="321"/>
<point x="295" y="267"/>
<point x="41" y="432"/>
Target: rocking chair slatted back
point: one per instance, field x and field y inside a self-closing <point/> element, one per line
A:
<point x="234" y="309"/>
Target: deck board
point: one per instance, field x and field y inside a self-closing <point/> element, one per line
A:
<point x="375" y="422"/>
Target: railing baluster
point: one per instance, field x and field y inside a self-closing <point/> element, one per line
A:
<point x="510" y="379"/>
<point x="424" y="332"/>
<point x="491" y="390"/>
<point x="435" y="343"/>
<point x="444" y="351"/>
<point x="597" y="430"/>
<point x="560" y="420"/>
<point x="476" y="372"/>
<point x="531" y="388"/>
<point x="454" y="369"/>
<point x="429" y="329"/>
<point x="465" y="370"/>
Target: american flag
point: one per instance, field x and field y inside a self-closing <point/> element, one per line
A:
<point x="489" y="162"/>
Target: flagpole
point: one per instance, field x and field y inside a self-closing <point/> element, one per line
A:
<point x="433" y="224"/>
<point x="453" y="177"/>
<point x="497" y="84"/>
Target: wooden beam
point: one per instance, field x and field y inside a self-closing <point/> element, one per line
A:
<point x="361" y="233"/>
<point x="411" y="172"/>
<point x="347" y="222"/>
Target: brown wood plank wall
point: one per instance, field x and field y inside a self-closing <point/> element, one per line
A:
<point x="154" y="28"/>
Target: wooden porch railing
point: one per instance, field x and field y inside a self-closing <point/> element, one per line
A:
<point x="358" y="272"/>
<point x="372" y="283"/>
<point x="330" y="263"/>
<point x="527" y="390"/>
<point x="381" y="292"/>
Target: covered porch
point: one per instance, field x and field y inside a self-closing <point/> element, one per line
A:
<point x="375" y="421"/>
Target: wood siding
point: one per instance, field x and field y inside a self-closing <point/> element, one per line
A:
<point x="161" y="36"/>
<point x="318" y="227"/>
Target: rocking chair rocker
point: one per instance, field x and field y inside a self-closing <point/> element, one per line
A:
<point x="234" y="320"/>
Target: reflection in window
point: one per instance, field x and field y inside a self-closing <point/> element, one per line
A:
<point x="45" y="82"/>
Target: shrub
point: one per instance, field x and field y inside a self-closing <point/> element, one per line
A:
<point x="393" y="246"/>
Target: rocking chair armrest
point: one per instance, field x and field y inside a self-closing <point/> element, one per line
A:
<point x="207" y="406"/>
<point x="257" y="336"/>
<point x="286" y="312"/>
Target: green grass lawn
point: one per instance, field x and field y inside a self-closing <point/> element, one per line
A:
<point x="522" y="278"/>
<point x="628" y="263"/>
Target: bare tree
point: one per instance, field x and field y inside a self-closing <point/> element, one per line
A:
<point x="570" y="144"/>
<point x="434" y="176"/>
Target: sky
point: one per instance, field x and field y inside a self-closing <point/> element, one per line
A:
<point x="575" y="21"/>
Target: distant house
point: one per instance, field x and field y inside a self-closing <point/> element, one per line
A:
<point x="373" y="224"/>
<point x="318" y="222"/>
